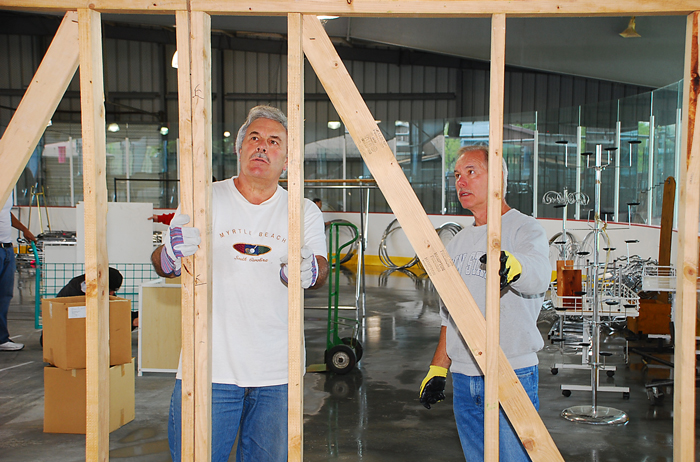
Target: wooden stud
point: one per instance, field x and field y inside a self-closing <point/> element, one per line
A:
<point x="493" y="246"/>
<point x="194" y="86"/>
<point x="184" y="87"/>
<point x="295" y="187"/>
<point x="96" y="259"/>
<point x="39" y="103"/>
<point x="398" y="192"/>
<point x="200" y="69"/>
<point x="687" y="265"/>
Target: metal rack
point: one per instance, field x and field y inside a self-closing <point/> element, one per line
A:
<point x="600" y="296"/>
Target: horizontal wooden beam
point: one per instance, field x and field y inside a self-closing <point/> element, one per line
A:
<point x="373" y="8"/>
<point x="103" y="6"/>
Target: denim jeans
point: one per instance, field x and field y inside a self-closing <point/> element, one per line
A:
<point x="7" y="285"/>
<point x="260" y="413"/>
<point x="468" y="403"/>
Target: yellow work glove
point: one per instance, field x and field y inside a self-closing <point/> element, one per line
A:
<point x="432" y="390"/>
<point x="510" y="268"/>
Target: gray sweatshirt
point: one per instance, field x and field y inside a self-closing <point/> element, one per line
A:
<point x="520" y="339"/>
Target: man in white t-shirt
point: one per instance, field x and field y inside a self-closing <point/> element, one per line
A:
<point x="7" y="270"/>
<point x="249" y="294"/>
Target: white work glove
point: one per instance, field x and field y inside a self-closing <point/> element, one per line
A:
<point x="309" y="268"/>
<point x="178" y="242"/>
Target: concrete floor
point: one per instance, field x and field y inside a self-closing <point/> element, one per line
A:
<point x="370" y="414"/>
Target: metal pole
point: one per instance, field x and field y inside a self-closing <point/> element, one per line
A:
<point x="71" y="151"/>
<point x="535" y="172"/>
<point x="677" y="166"/>
<point x="579" y="151"/>
<point x="595" y="371"/>
<point x="345" y="170"/>
<point x="618" y="129"/>
<point x="443" y="197"/>
<point x="127" y="148"/>
<point x="650" y="173"/>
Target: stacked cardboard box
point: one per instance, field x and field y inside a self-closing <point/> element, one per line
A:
<point x="65" y="379"/>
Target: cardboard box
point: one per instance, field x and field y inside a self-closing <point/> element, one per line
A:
<point x="65" y="402"/>
<point x="64" y="331"/>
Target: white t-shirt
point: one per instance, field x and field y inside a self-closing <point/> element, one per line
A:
<point x="249" y="301"/>
<point x="6" y="221"/>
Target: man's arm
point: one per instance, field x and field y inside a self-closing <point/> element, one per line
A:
<point x="25" y="231"/>
<point x="155" y="260"/>
<point x="322" y="272"/>
<point x="440" y="357"/>
<point x="432" y="389"/>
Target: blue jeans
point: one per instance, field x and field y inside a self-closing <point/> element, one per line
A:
<point x="7" y="287"/>
<point x="260" y="413"/>
<point x="468" y="404"/>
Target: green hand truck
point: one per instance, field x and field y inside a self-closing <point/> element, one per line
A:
<point x="341" y="354"/>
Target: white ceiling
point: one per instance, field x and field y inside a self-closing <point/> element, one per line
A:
<point x="589" y="47"/>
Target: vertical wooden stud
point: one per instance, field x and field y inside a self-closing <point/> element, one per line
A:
<point x="194" y="100"/>
<point x="184" y="86"/>
<point x="96" y="259"/>
<point x="420" y="232"/>
<point x="687" y="266"/>
<point x="39" y="103"/>
<point x="493" y="247"/>
<point x="200" y="69"/>
<point x="295" y="185"/>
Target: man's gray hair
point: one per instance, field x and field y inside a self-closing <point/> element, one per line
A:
<point x="485" y="150"/>
<point x="259" y="112"/>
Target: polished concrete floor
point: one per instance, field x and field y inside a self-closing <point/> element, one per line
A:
<point x="370" y="414"/>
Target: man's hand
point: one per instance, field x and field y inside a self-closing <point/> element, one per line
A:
<point x="510" y="268"/>
<point x="178" y="242"/>
<point x="309" y="268"/>
<point x="432" y="390"/>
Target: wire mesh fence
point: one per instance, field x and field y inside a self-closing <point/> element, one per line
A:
<point x="54" y="276"/>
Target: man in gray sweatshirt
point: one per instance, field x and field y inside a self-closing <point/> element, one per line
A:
<point x="525" y="275"/>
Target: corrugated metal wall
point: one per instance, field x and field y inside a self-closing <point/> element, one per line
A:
<point x="142" y="86"/>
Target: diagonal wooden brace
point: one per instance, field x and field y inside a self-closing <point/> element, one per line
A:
<point x="40" y="101"/>
<point x="398" y="192"/>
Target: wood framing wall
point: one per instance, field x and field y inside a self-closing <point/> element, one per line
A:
<point x="195" y="107"/>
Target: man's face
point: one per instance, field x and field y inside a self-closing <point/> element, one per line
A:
<point x="264" y="150"/>
<point x="471" y="180"/>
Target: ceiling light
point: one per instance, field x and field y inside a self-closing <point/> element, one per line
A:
<point x="113" y="127"/>
<point x="334" y="124"/>
<point x="227" y="134"/>
<point x="174" y="62"/>
<point x="164" y="130"/>
<point x="631" y="31"/>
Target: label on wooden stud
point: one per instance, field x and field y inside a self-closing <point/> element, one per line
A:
<point x="437" y="262"/>
<point x="373" y="141"/>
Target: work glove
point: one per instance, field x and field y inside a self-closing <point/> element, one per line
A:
<point x="510" y="268"/>
<point x="309" y="268"/>
<point x="178" y="242"/>
<point x="432" y="390"/>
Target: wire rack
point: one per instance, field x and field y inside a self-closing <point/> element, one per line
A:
<point x="54" y="276"/>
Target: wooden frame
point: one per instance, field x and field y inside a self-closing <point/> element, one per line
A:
<point x="376" y="153"/>
<point x="295" y="187"/>
<point x="493" y="242"/>
<point x="96" y="259"/>
<point x="687" y="263"/>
